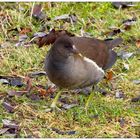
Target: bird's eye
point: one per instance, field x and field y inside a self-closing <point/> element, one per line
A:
<point x="68" y="46"/>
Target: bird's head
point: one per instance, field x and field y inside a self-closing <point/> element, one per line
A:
<point x="64" y="47"/>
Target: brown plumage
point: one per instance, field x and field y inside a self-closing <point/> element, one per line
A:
<point x="68" y="69"/>
<point x="78" y="62"/>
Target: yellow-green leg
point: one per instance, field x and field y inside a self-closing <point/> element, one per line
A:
<point x="53" y="105"/>
<point x="89" y="99"/>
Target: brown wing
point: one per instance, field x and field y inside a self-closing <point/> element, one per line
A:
<point x="94" y="49"/>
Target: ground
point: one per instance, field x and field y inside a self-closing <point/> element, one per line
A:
<point x="107" y="116"/>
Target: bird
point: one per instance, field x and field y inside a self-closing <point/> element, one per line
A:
<point x="78" y="62"/>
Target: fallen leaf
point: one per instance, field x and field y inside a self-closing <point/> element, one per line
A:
<point x="63" y="132"/>
<point x="5" y="45"/>
<point x="68" y="18"/>
<point x="138" y="43"/>
<point x="68" y="106"/>
<point x="122" y="4"/>
<point x="10" y="124"/>
<point x="109" y="75"/>
<point x="12" y="81"/>
<point x="17" y="93"/>
<point x="8" y="107"/>
<point x="12" y="127"/>
<point x="4" y="81"/>
<point x="126" y="66"/>
<point x="39" y="34"/>
<point x="119" y="94"/>
<point x="16" y="81"/>
<point x="28" y="84"/>
<point x="122" y="122"/>
<point x="22" y="39"/>
<point x="71" y="132"/>
<point x="27" y="89"/>
<point x="136" y="82"/>
<point x="34" y="97"/>
<point x="37" y="10"/>
<point x="129" y="22"/>
<point x="42" y="92"/>
<point x="3" y="130"/>
<point x="37" y="73"/>
<point x="52" y="36"/>
<point x="136" y="99"/>
<point x="45" y="91"/>
<point x="24" y="31"/>
<point x="124" y="55"/>
<point x="115" y="32"/>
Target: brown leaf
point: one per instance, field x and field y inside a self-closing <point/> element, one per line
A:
<point x="122" y="122"/>
<point x="136" y="99"/>
<point x="10" y="124"/>
<point x="3" y="130"/>
<point x="128" y="23"/>
<point x="2" y="95"/>
<point x="34" y="97"/>
<point x="8" y="107"/>
<point x="119" y="94"/>
<point x="12" y="128"/>
<point x="72" y="18"/>
<point x="52" y="36"/>
<point x="11" y="80"/>
<point x="28" y="83"/>
<point x="42" y="91"/>
<point x="17" y="93"/>
<point x="122" y="4"/>
<point x="37" y="73"/>
<point x="37" y="10"/>
<point x="138" y="43"/>
<point x="109" y="75"/>
<point x="45" y="92"/>
<point x="115" y="32"/>
<point x="25" y="31"/>
<point x="20" y="93"/>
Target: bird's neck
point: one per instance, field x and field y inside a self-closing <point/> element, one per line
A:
<point x="58" y="61"/>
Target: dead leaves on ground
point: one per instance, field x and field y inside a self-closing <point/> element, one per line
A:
<point x="52" y="36"/>
<point x="28" y="89"/>
<point x="119" y="5"/>
<point x="10" y="128"/>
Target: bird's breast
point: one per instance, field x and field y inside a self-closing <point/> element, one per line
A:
<point x="76" y="72"/>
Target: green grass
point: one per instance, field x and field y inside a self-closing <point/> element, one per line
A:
<point x="31" y="115"/>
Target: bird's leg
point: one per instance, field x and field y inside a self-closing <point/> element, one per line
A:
<point x="89" y="99"/>
<point x="53" y="105"/>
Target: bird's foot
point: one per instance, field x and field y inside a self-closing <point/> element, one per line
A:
<point x="86" y="110"/>
<point x="55" y="108"/>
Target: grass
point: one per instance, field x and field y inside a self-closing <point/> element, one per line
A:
<point x="31" y="115"/>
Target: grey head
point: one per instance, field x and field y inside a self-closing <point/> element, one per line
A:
<point x="63" y="47"/>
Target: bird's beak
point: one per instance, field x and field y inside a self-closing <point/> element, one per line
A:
<point x="75" y="51"/>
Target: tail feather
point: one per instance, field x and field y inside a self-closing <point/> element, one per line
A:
<point x="111" y="60"/>
<point x="113" y="43"/>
